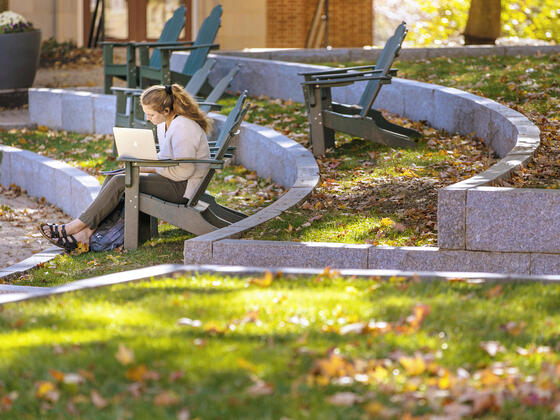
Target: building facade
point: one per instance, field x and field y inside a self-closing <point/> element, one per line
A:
<point x="245" y="23"/>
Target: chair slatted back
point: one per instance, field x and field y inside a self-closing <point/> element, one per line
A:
<point x="384" y="63"/>
<point x="197" y="80"/>
<point x="206" y="35"/>
<point x="220" y="88"/>
<point x="227" y="133"/>
<point x="170" y="33"/>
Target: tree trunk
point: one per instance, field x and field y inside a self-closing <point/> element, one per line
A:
<point x="4" y="5"/>
<point x="483" y="24"/>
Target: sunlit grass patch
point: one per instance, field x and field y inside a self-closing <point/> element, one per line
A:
<point x="275" y="346"/>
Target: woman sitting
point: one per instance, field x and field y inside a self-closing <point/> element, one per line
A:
<point x="181" y="131"/>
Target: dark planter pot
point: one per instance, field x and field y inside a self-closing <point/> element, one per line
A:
<point x="19" y="58"/>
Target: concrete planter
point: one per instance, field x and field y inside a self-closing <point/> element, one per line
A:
<point x="19" y="55"/>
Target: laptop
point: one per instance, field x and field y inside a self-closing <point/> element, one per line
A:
<point x="136" y="143"/>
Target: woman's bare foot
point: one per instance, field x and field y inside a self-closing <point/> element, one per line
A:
<point x="84" y="235"/>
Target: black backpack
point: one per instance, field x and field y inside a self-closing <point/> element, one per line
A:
<point x="110" y="233"/>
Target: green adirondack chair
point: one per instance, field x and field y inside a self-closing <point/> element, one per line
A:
<point x="128" y="71"/>
<point x="201" y="214"/>
<point x="360" y="120"/>
<point x="199" y="49"/>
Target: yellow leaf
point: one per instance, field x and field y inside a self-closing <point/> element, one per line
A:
<point x="386" y="222"/>
<point x="136" y="373"/>
<point x="43" y="388"/>
<point x="124" y="355"/>
<point x="413" y="365"/>
<point x="264" y="281"/>
<point x="57" y="375"/>
<point x="245" y="364"/>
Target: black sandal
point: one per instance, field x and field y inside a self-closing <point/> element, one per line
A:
<point x="69" y="243"/>
<point x="53" y="230"/>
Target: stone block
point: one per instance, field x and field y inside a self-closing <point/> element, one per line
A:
<point x="5" y="165"/>
<point x="63" y="187"/>
<point x="545" y="264"/>
<point x="454" y="110"/>
<point x="419" y="102"/>
<point x="84" y="189"/>
<point x="46" y="178"/>
<point x="307" y="176"/>
<point x="425" y="259"/>
<point x="362" y="54"/>
<point x="513" y="220"/>
<point x="77" y="112"/>
<point x="104" y="111"/>
<point x="197" y="252"/>
<point x="391" y="97"/>
<point x="22" y="169"/>
<point x="38" y="183"/>
<point x="290" y="254"/>
<point x="492" y="123"/>
<point x="451" y="218"/>
<point x="45" y="107"/>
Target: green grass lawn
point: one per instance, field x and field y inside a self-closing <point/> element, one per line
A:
<point x="212" y="347"/>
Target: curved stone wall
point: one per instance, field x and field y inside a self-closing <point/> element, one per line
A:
<point x="517" y="226"/>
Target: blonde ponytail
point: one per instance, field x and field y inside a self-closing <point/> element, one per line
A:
<point x="177" y="99"/>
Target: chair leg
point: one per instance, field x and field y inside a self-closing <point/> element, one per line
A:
<point x="131" y="210"/>
<point x="322" y="137"/>
<point x="389" y="126"/>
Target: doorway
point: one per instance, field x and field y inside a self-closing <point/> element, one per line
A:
<point x="131" y="20"/>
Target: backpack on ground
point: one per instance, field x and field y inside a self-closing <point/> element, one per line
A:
<point x="110" y="233"/>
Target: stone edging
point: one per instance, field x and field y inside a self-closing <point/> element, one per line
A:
<point x="341" y="55"/>
<point x="10" y="294"/>
<point x="26" y="265"/>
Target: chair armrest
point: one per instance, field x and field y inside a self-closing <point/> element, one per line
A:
<point x="116" y="43"/>
<point x="345" y="81"/>
<point x="392" y="72"/>
<point x="213" y="105"/>
<point x="127" y="91"/>
<point x="162" y="44"/>
<point x="169" y="162"/>
<point x="334" y="71"/>
<point x="186" y="48"/>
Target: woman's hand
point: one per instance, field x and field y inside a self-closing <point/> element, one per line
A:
<point x="148" y="170"/>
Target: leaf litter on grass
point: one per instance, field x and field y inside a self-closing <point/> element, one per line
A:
<point x="370" y="193"/>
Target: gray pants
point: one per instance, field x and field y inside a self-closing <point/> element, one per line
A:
<point x="112" y="191"/>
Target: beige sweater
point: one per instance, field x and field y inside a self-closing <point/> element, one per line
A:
<point x="184" y="139"/>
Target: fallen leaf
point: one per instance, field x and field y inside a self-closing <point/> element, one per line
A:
<point x="166" y="399"/>
<point x="98" y="400"/>
<point x="492" y="347"/>
<point x="344" y="399"/>
<point x="184" y="414"/>
<point x="136" y="373"/>
<point x="124" y="355"/>
<point x="413" y="365"/>
<point x="260" y="388"/>
<point x="264" y="281"/>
